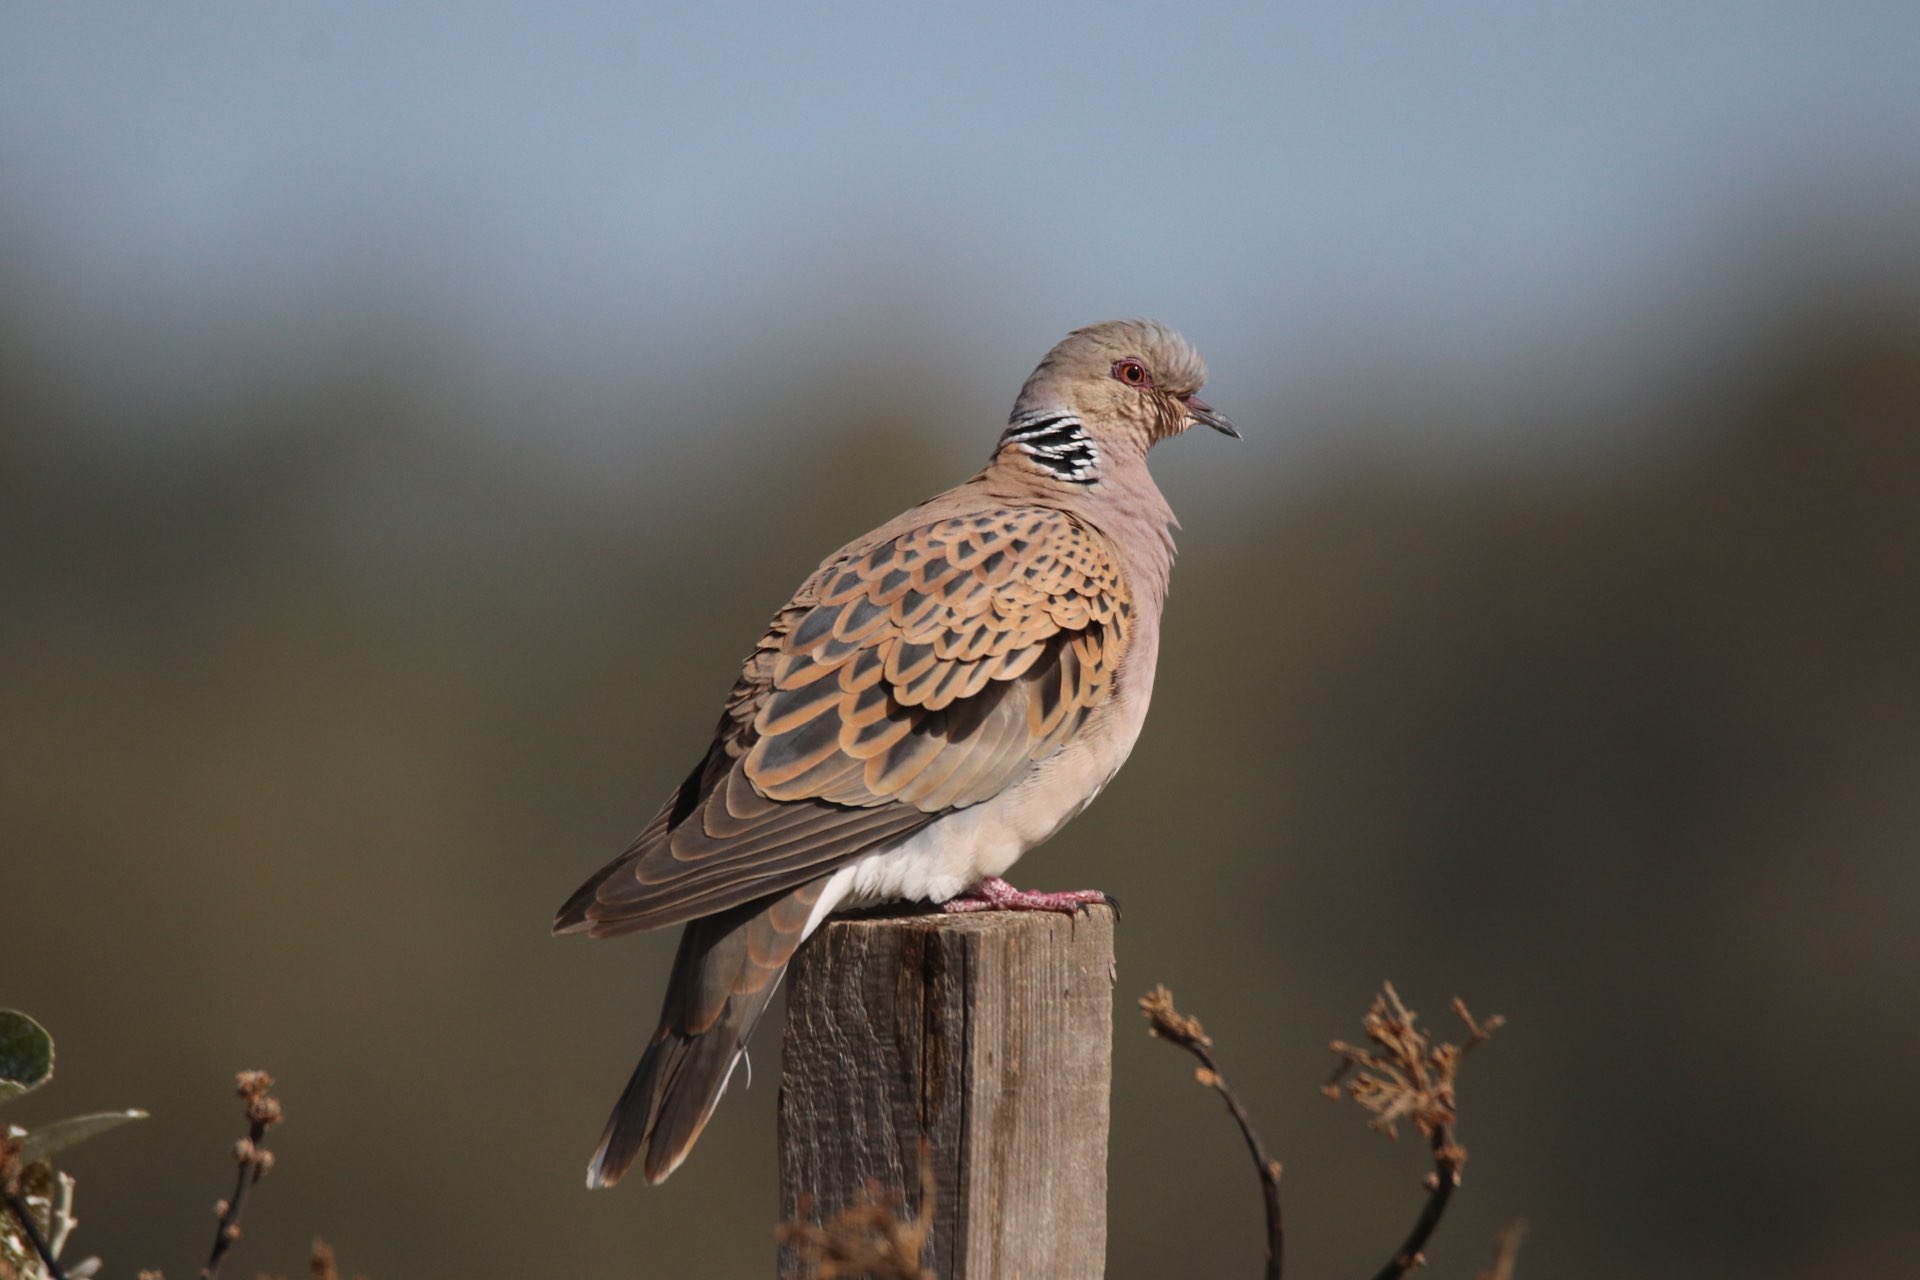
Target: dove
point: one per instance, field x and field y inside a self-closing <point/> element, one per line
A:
<point x="940" y="696"/>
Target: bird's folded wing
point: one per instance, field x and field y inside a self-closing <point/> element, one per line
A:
<point x="906" y="679"/>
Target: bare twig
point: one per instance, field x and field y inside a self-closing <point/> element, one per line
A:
<point x="10" y="1175"/>
<point x="24" y="1216"/>
<point x="60" y="1218"/>
<point x="1504" y="1261"/>
<point x="868" y="1238"/>
<point x="254" y="1161"/>
<point x="1169" y="1024"/>
<point x="1404" y="1076"/>
<point x="321" y="1261"/>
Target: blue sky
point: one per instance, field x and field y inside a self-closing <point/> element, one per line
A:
<point x="597" y="196"/>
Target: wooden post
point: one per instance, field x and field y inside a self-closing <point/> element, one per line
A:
<point x="989" y="1034"/>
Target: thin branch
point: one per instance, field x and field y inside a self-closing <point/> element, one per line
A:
<point x="1169" y="1024"/>
<point x="1505" y="1260"/>
<point x="24" y="1216"/>
<point x="61" y="1221"/>
<point x="1405" y="1076"/>
<point x="1440" y="1184"/>
<point x="11" y="1172"/>
<point x="254" y="1161"/>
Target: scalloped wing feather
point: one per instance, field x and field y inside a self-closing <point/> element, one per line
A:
<point x="908" y="677"/>
<point x="919" y="660"/>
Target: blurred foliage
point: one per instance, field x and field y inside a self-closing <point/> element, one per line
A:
<point x="34" y="1191"/>
<point x="307" y="724"/>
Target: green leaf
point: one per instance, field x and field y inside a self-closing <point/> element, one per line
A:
<point x="50" y="1139"/>
<point x="26" y="1054"/>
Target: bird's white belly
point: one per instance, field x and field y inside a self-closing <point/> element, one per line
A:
<point x="960" y="849"/>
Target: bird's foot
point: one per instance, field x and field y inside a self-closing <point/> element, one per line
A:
<point x="995" y="894"/>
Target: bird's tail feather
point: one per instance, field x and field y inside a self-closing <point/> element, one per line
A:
<point x="724" y="976"/>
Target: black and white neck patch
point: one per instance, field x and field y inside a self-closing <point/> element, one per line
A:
<point x="1057" y="443"/>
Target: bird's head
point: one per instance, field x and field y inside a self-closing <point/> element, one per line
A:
<point x="1125" y="380"/>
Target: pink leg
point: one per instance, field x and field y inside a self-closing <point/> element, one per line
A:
<point x="995" y="894"/>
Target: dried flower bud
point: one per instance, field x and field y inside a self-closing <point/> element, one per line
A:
<point x="1169" y="1023"/>
<point x="252" y="1084"/>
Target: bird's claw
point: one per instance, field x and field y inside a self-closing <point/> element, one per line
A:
<point x="995" y="894"/>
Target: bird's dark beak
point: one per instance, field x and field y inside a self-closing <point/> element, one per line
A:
<point x="1199" y="410"/>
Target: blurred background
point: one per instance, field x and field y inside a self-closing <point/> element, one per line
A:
<point x="409" y="414"/>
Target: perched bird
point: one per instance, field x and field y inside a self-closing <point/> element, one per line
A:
<point x="939" y="697"/>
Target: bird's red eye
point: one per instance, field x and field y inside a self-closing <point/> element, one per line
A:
<point x="1133" y="373"/>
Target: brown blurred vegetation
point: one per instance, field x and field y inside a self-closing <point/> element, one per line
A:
<point x="307" y="725"/>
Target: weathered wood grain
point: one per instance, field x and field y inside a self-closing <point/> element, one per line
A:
<point x="990" y="1034"/>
